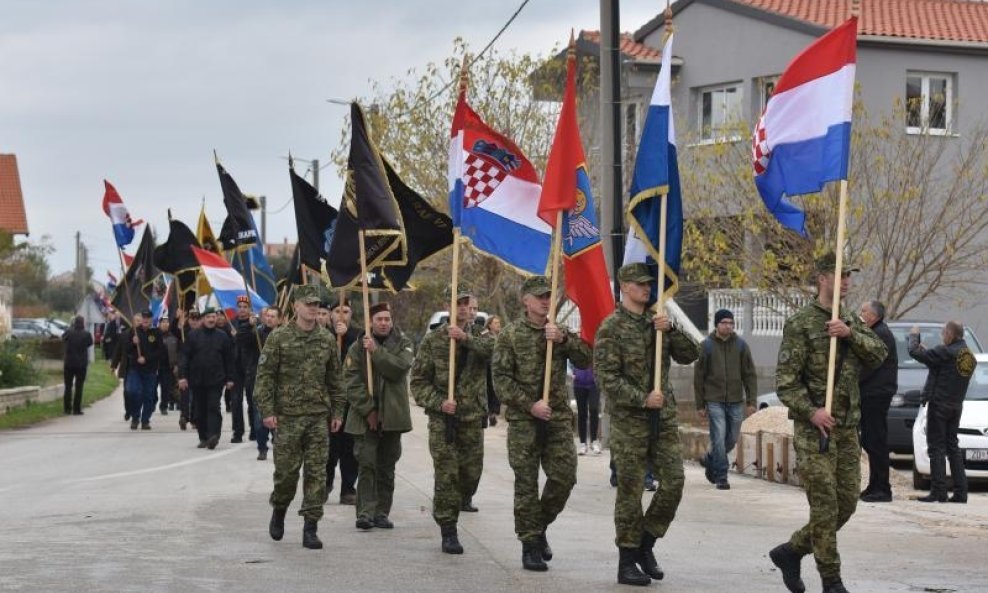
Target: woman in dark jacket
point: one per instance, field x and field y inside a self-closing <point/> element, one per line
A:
<point x="77" y="343"/>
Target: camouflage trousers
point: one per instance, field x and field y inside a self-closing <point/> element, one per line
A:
<point x="301" y="446"/>
<point x="377" y="454"/>
<point x="633" y="451"/>
<point x="457" y="467"/>
<point x="556" y="455"/>
<point x="831" y="481"/>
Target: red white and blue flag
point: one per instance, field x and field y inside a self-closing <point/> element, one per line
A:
<point x="803" y="139"/>
<point x="494" y="194"/>
<point x="227" y="283"/>
<point x="566" y="188"/>
<point x="123" y="225"/>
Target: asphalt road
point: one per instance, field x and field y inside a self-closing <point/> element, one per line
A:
<point x="88" y="505"/>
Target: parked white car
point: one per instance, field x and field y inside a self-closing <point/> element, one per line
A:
<point x="972" y="435"/>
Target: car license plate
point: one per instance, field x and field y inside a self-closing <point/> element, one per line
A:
<point x="976" y="454"/>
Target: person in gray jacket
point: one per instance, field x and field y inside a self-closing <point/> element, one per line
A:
<point x="723" y="381"/>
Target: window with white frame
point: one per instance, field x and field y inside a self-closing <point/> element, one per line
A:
<point x="766" y="87"/>
<point x="929" y="102"/>
<point x="719" y="112"/>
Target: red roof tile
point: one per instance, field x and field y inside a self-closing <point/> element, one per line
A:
<point x="628" y="46"/>
<point x="939" y="20"/>
<point x="13" y="219"/>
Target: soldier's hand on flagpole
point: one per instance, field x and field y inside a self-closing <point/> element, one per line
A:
<point x="554" y="334"/>
<point x="541" y="410"/>
<point x="271" y="422"/>
<point x="448" y="407"/>
<point x="183" y="384"/>
<point x="370" y="344"/>
<point x="655" y="400"/>
<point x="661" y="323"/>
<point x="838" y="328"/>
<point x="823" y="421"/>
<point x="457" y="333"/>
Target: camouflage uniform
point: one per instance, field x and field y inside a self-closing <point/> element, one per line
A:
<point x="457" y="465"/>
<point x="298" y="381"/>
<point x="519" y="370"/>
<point x="831" y="479"/>
<point x="624" y="362"/>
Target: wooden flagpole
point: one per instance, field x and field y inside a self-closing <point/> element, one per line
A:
<point x="557" y="238"/>
<point x="660" y="308"/>
<point x="367" y="320"/>
<point x="454" y="289"/>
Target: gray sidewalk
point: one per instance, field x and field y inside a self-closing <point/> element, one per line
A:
<point x="88" y="505"/>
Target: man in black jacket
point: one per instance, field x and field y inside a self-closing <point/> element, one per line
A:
<point x="247" y="349"/>
<point x="341" y="443"/>
<point x="206" y="367"/>
<point x="271" y="317"/>
<point x="142" y="351"/>
<point x="877" y="388"/>
<point x="951" y="366"/>
<point x="111" y="332"/>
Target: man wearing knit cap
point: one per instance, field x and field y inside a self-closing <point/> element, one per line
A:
<point x="379" y="413"/>
<point x="723" y="381"/>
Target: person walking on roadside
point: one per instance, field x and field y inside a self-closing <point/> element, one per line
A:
<point x="725" y="388"/>
<point x="951" y="366"/>
<point x="77" y="342"/>
<point x="206" y="368"/>
<point x="877" y="388"/>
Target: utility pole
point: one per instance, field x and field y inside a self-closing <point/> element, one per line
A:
<point x="264" y="220"/>
<point x="611" y="210"/>
<point x="315" y="174"/>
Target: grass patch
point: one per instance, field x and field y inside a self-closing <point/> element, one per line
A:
<point x="100" y="383"/>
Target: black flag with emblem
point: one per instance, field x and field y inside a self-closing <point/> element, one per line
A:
<point x="314" y="218"/>
<point x="133" y="293"/>
<point x="238" y="228"/>
<point x="368" y="205"/>
<point x="175" y="257"/>
<point x="427" y="232"/>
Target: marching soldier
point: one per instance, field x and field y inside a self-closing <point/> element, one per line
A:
<point x="298" y="390"/>
<point x="624" y="364"/>
<point x="378" y="415"/>
<point x="539" y="433"/>
<point x="831" y="475"/>
<point x="456" y="434"/>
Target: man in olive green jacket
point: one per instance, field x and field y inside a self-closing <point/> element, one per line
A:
<point x="377" y="418"/>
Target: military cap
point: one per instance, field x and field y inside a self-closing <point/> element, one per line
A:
<point x="209" y="311"/>
<point x="307" y="294"/>
<point x="194" y="314"/>
<point x="146" y="313"/>
<point x="462" y="291"/>
<point x="337" y="302"/>
<point x="828" y="263"/>
<point x="325" y="305"/>
<point x="637" y="272"/>
<point x="536" y="286"/>
<point x="379" y="307"/>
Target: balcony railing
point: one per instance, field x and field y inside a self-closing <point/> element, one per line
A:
<point x="768" y="311"/>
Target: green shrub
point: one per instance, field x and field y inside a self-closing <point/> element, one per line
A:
<point x="16" y="368"/>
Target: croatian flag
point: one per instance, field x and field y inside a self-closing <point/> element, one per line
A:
<point x="803" y="139"/>
<point x="656" y="178"/>
<point x="494" y="194"/>
<point x="111" y="282"/>
<point x="123" y="225"/>
<point x="227" y="283"/>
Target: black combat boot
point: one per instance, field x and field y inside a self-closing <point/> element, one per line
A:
<point x="531" y="557"/>
<point x="309" y="538"/>
<point x="451" y="543"/>
<point x="628" y="573"/>
<point x="646" y="558"/>
<point x="834" y="587"/>
<point x="544" y="547"/>
<point x="276" y="528"/>
<point x="788" y="561"/>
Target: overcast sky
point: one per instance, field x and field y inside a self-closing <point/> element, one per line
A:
<point x="140" y="93"/>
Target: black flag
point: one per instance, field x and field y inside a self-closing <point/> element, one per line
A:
<point x="238" y="228"/>
<point x="427" y="232"/>
<point x="133" y="294"/>
<point x="314" y="218"/>
<point x="175" y="257"/>
<point x="369" y="205"/>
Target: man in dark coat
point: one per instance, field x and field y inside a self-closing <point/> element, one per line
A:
<point x="877" y="388"/>
<point x="207" y="367"/>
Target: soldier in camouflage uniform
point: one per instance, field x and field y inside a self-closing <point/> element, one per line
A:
<point x="538" y="433"/>
<point x="831" y="478"/>
<point x="379" y="417"/>
<point x="624" y="362"/>
<point x="299" y="395"/>
<point x="457" y="464"/>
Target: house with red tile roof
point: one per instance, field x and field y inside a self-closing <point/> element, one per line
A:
<point x="13" y="217"/>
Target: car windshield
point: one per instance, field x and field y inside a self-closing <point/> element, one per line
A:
<point x="930" y="335"/>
